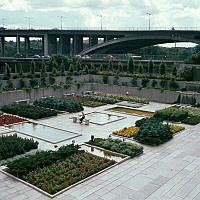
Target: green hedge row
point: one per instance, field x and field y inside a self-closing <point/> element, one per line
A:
<point x="29" y="111"/>
<point x="12" y="145"/>
<point x="59" y="104"/>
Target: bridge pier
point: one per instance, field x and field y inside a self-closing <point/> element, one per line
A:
<point x="3" y="46"/>
<point x="78" y="44"/>
<point x="27" y="46"/>
<point x="50" y="44"/>
<point x="109" y="37"/>
<point x="18" y="44"/>
<point x="93" y="40"/>
<point x="64" y="43"/>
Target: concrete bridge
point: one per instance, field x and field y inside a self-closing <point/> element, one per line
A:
<point x="116" y="41"/>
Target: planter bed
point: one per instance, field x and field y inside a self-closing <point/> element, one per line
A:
<point x="10" y="119"/>
<point x="132" y="111"/>
<point x="187" y="115"/>
<point x="13" y="145"/>
<point x="116" y="145"/>
<point x="85" y="101"/>
<point x="29" y="111"/>
<point x="62" y="170"/>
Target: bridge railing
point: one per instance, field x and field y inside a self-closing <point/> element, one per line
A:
<point x="126" y="57"/>
<point x="108" y="28"/>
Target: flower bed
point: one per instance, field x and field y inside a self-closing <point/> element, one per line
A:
<point x="116" y="145"/>
<point x="29" y="111"/>
<point x="103" y="99"/>
<point x="59" y="104"/>
<point x="93" y="104"/>
<point x="176" y="129"/>
<point x="127" y="132"/>
<point x="10" y="119"/>
<point x="85" y="102"/>
<point x="61" y="169"/>
<point x="132" y="111"/>
<point x="12" y="145"/>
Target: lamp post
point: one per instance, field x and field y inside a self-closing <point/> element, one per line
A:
<point x="29" y="22"/>
<point x="101" y="20"/>
<point x="149" y="20"/>
<point x="61" y="22"/>
<point x="3" y="21"/>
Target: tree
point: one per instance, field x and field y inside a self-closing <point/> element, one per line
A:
<point x="140" y="68"/>
<point x="32" y="70"/>
<point x="86" y="70"/>
<point x="174" y="70"/>
<point x="21" y="71"/>
<point x="162" y="68"/>
<point x="101" y="67"/>
<point x="62" y="67"/>
<point x="7" y="70"/>
<point x="120" y="67"/>
<point x="150" y="67"/>
<point x="131" y="67"/>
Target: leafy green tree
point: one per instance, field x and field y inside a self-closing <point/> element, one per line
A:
<point x="62" y="67"/>
<point x="140" y="68"/>
<point x="71" y="68"/>
<point x="22" y="83"/>
<point x="131" y="66"/>
<point x="52" y="79"/>
<point x="120" y="67"/>
<point x="21" y="71"/>
<point x="32" y="70"/>
<point x="150" y="67"/>
<point x="174" y="70"/>
<point x="101" y="67"/>
<point x="86" y="70"/>
<point x="7" y="71"/>
<point x="162" y="68"/>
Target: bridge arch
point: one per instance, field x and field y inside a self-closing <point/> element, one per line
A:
<point x="125" y="44"/>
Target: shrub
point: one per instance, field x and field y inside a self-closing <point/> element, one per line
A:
<point x="173" y="84"/>
<point x="105" y="79"/>
<point x="163" y="83"/>
<point x="162" y="68"/>
<point x="59" y="104"/>
<point x="140" y="122"/>
<point x="116" y="145"/>
<point x="153" y="133"/>
<point x="192" y="120"/>
<point x="28" y="111"/>
<point x="172" y="114"/>
<point x="13" y="145"/>
<point x="154" y="83"/>
<point x="144" y="82"/>
<point x="134" y="82"/>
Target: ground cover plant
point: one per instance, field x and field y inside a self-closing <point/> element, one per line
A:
<point x="29" y="111"/>
<point x="13" y="145"/>
<point x="54" y="171"/>
<point x="10" y="119"/>
<point x="59" y="104"/>
<point x="132" y="111"/>
<point x="116" y="145"/>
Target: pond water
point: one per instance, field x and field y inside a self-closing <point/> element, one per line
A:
<point x="102" y="153"/>
<point x="102" y="118"/>
<point x="43" y="132"/>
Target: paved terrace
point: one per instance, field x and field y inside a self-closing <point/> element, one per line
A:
<point x="168" y="172"/>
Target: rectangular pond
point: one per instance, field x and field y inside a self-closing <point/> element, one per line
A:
<point x="103" y="153"/>
<point x="43" y="132"/>
<point x="102" y="118"/>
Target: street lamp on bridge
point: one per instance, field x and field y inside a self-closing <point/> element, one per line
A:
<point x="101" y="20"/>
<point x="149" y="20"/>
<point x="61" y="21"/>
<point x="29" y="22"/>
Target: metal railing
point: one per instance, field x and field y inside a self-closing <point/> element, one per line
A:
<point x="107" y="28"/>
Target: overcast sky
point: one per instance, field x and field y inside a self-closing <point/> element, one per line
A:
<point x="84" y="13"/>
